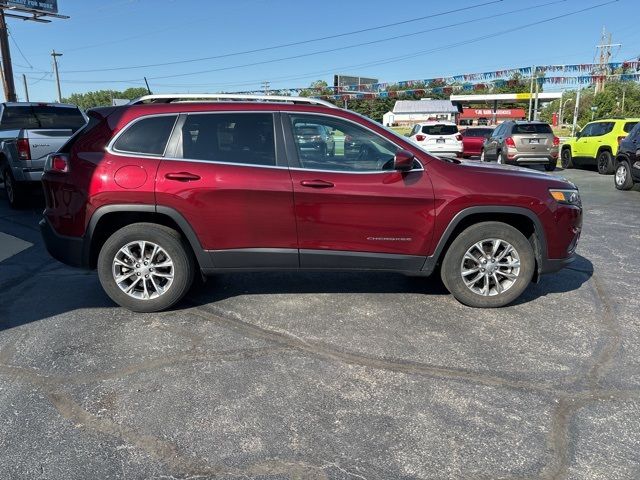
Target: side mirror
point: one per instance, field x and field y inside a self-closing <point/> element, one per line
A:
<point x="403" y="161"/>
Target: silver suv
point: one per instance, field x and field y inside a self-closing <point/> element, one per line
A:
<point x="525" y="143"/>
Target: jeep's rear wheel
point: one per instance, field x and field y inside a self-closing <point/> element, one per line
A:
<point x="488" y="265"/>
<point x="145" y="267"/>
<point x="605" y="163"/>
<point x="566" y="160"/>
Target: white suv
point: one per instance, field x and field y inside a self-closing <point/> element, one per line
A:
<point x="438" y="137"/>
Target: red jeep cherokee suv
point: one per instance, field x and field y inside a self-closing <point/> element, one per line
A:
<point x="153" y="192"/>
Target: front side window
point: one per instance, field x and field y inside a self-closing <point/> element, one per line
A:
<point x="587" y="131"/>
<point x="244" y="138"/>
<point x="345" y="146"/>
<point x="148" y="136"/>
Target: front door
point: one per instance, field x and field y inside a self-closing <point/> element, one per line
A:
<point x="223" y="175"/>
<point x="352" y="209"/>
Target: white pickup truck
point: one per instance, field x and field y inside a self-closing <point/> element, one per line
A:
<point x="29" y="132"/>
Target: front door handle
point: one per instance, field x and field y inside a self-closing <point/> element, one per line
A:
<point x="182" y="176"/>
<point x="316" y="184"/>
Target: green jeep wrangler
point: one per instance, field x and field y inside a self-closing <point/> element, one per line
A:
<point x="596" y="144"/>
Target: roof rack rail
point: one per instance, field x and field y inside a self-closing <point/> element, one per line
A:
<point x="177" y="97"/>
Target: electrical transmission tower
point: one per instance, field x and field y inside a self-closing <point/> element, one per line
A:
<point x="602" y="70"/>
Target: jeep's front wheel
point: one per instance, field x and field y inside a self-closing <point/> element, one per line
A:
<point x="145" y="267"/>
<point x="488" y="265"/>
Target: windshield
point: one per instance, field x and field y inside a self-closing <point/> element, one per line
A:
<point x="478" y="132"/>
<point x="42" y="116"/>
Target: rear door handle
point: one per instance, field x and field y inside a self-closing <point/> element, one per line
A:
<point x="316" y="184"/>
<point x="182" y="176"/>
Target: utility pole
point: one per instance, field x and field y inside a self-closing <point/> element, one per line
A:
<point x="55" y="70"/>
<point x="7" y="69"/>
<point x="603" y="63"/>
<point x="575" y="113"/>
<point x="26" y="87"/>
<point x="533" y="70"/>
<point x="624" y="90"/>
<point x="535" y="107"/>
<point x="265" y="87"/>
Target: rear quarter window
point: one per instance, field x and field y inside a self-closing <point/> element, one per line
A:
<point x="147" y="136"/>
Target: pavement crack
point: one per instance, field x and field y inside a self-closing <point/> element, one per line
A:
<point x="331" y="353"/>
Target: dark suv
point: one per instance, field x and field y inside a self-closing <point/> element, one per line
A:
<point x="521" y="142"/>
<point x="627" y="163"/>
<point x="155" y="191"/>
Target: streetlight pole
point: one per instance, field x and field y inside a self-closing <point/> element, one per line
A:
<point x="55" y="70"/>
<point x="575" y="113"/>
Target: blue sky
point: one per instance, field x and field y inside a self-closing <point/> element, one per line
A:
<point x="105" y="34"/>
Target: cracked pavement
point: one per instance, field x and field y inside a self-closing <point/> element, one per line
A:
<point x="326" y="376"/>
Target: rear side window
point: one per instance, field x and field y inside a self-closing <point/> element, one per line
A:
<point x="601" y="128"/>
<point x="525" y="128"/>
<point x="42" y="116"/>
<point x="148" y="136"/>
<point x="629" y="126"/>
<point x="246" y="138"/>
<point x="440" y="129"/>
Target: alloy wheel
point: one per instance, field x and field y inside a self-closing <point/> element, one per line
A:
<point x="490" y="267"/>
<point x="621" y="174"/>
<point x="143" y="270"/>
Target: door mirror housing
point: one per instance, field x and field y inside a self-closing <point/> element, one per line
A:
<point x="403" y="161"/>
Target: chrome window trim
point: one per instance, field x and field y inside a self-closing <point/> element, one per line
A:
<point x="124" y="153"/>
<point x="289" y="112"/>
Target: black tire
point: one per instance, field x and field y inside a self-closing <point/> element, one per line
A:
<point x="14" y="191"/>
<point x="169" y="240"/>
<point x="452" y="265"/>
<point x="622" y="179"/>
<point x="566" y="159"/>
<point x="605" y="162"/>
<point x="550" y="167"/>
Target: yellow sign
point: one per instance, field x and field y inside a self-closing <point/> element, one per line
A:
<point x="523" y="96"/>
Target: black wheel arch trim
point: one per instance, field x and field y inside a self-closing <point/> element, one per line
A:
<point x="540" y="242"/>
<point x="202" y="256"/>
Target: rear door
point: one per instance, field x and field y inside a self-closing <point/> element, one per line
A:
<point x="352" y="209"/>
<point x="227" y="176"/>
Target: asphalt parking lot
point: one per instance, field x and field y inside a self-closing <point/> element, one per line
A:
<point x="325" y="376"/>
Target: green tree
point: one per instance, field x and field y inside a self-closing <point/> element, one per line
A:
<point x="317" y="88"/>
<point x="103" y="98"/>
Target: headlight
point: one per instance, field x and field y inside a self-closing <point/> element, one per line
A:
<point x="566" y="197"/>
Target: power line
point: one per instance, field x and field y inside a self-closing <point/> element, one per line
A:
<point x="19" y="49"/>
<point x="291" y="44"/>
<point x="396" y="58"/>
<point x="345" y="47"/>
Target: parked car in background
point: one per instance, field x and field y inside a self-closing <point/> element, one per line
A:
<point x="627" y="162"/>
<point x="316" y="137"/>
<point x="156" y="192"/>
<point x="29" y="132"/>
<point x="438" y="137"/>
<point x="597" y="144"/>
<point x="522" y="143"/>
<point x="472" y="140"/>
